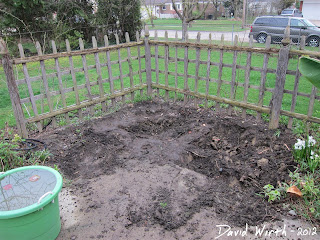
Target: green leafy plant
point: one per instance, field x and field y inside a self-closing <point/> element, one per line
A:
<point x="163" y="204"/>
<point x="272" y="193"/>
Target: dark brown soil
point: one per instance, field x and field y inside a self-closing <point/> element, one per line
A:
<point x="223" y="162"/>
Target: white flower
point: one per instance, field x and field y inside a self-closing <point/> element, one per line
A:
<point x="312" y="155"/>
<point x="300" y="144"/>
<point x="311" y="141"/>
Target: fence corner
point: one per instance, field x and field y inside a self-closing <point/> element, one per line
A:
<point x="13" y="89"/>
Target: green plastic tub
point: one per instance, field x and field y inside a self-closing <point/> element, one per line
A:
<point x="29" y="207"/>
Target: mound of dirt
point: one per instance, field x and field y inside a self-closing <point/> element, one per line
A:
<point x="154" y="163"/>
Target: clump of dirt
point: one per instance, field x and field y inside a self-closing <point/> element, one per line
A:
<point x="165" y="162"/>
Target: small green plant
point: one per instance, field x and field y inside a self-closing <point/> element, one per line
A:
<point x="272" y="193"/>
<point x="277" y="133"/>
<point x="163" y="204"/>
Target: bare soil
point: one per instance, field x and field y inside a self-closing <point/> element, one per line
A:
<point x="156" y="170"/>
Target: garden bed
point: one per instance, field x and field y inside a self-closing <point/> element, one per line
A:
<point x="157" y="170"/>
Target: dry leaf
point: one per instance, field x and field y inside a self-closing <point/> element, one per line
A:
<point x="294" y="191"/>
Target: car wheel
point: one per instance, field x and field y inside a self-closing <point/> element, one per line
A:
<point x="313" y="41"/>
<point x="262" y="38"/>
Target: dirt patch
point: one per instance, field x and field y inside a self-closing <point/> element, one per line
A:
<point x="160" y="165"/>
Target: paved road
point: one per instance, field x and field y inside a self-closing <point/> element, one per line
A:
<point x="243" y="36"/>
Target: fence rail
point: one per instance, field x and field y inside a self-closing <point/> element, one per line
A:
<point x="51" y="87"/>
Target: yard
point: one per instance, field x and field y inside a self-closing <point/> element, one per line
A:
<point x="156" y="169"/>
<point x="198" y="25"/>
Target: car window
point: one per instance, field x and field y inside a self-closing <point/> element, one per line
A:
<point x="280" y="22"/>
<point x="287" y="12"/>
<point x="262" y="21"/>
<point x="296" y="23"/>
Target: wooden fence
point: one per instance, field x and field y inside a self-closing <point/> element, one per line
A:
<point x="83" y="79"/>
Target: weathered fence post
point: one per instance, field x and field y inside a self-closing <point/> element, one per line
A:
<point x="148" y="60"/>
<point x="13" y="89"/>
<point x="277" y="95"/>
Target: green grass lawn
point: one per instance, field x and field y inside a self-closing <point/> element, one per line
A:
<point x="197" y="25"/>
<point x="6" y="113"/>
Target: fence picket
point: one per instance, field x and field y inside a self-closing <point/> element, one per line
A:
<point x="247" y="78"/>
<point x="98" y="69"/>
<point x="139" y="60"/>
<point x="176" y="67"/>
<point x="44" y="79"/>
<point x="130" y="65"/>
<point x="186" y="63"/>
<point x="208" y="71"/>
<point x="296" y="84"/>
<point x="63" y="97"/>
<point x="13" y="89"/>
<point x="166" y="64"/>
<point x="220" y="71"/>
<point x="74" y="80"/>
<point x="234" y="74"/>
<point x="86" y="75"/>
<point x="196" y="82"/>
<point x="263" y="77"/>
<point x="156" y="58"/>
<point x="31" y="95"/>
<point x="106" y="43"/>
<point x="148" y="61"/>
<point x="120" y="68"/>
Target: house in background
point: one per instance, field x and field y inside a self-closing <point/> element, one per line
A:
<point x="164" y="9"/>
<point x="310" y="10"/>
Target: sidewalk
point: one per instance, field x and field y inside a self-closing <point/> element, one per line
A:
<point x="243" y="35"/>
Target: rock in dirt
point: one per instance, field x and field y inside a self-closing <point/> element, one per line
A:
<point x="292" y="213"/>
<point x="263" y="162"/>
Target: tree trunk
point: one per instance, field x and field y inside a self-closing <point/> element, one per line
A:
<point x="215" y="14"/>
<point x="184" y="29"/>
<point x="151" y="20"/>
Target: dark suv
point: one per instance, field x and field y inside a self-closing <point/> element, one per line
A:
<point x="275" y="26"/>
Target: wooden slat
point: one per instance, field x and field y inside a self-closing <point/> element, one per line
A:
<point x="13" y="89"/>
<point x="166" y="64"/>
<point x="106" y="43"/>
<point x="234" y="74"/>
<point x="277" y="96"/>
<point x="74" y="80"/>
<point x="148" y="61"/>
<point x="75" y="53"/>
<point x="312" y="100"/>
<point x="139" y="60"/>
<point x="31" y="95"/>
<point x="196" y="82"/>
<point x="130" y="65"/>
<point x="247" y="77"/>
<point x="208" y="72"/>
<point x="296" y="84"/>
<point x="176" y="67"/>
<point x="120" y="69"/>
<point x="220" y="72"/>
<point x="98" y="69"/>
<point x="57" y="65"/>
<point x="156" y="59"/>
<point x="45" y="84"/>
<point x="186" y="57"/>
<point x="85" y="104"/>
<point x="86" y="74"/>
<point x="229" y="48"/>
<point x="263" y="77"/>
